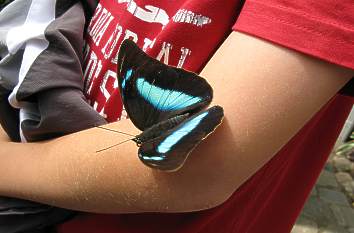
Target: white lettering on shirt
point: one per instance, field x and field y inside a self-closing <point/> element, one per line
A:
<point x="189" y="17"/>
<point x="112" y="42"/>
<point x="151" y="15"/>
<point x="164" y="52"/>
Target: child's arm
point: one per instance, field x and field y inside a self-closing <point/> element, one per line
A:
<point x="268" y="94"/>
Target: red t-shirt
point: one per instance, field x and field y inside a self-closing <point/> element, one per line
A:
<point x="185" y="33"/>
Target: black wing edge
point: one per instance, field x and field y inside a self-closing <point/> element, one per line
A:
<point x="132" y="57"/>
<point x="176" y="157"/>
<point x="129" y="51"/>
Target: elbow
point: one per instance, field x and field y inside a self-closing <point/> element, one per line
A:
<point x="209" y="202"/>
<point x="215" y="197"/>
<point x="201" y="195"/>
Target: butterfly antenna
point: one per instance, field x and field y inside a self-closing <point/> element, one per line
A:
<point x="116" y="131"/>
<point x="98" y="151"/>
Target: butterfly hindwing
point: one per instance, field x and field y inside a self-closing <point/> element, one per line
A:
<point x="170" y="150"/>
<point x="153" y="92"/>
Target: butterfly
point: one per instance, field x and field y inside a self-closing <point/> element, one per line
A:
<point x="166" y="103"/>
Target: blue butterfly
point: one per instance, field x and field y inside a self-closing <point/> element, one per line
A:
<point x="165" y="103"/>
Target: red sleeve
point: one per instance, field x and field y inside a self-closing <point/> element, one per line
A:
<point x="321" y="28"/>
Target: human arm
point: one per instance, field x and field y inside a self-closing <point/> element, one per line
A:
<point x="263" y="97"/>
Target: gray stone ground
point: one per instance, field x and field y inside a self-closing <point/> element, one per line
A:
<point x="330" y="206"/>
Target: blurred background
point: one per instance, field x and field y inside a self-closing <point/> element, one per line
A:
<point x="330" y="206"/>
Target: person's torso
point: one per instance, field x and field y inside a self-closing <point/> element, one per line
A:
<point x="180" y="33"/>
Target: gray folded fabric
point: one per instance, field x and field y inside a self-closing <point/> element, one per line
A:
<point x="43" y="59"/>
<point x="41" y="82"/>
<point x="4" y="3"/>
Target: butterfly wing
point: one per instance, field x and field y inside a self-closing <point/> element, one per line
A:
<point x="153" y="92"/>
<point x="169" y="151"/>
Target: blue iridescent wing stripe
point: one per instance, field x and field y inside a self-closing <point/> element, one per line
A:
<point x="176" y="136"/>
<point x="126" y="78"/>
<point x="153" y="92"/>
<point x="173" y="100"/>
<point x="171" y="149"/>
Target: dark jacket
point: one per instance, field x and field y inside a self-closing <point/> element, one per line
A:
<point x="45" y="99"/>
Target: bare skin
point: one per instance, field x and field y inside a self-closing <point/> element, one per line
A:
<point x="267" y="92"/>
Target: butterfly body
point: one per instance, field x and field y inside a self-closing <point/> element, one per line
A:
<point x="167" y="104"/>
<point x="158" y="129"/>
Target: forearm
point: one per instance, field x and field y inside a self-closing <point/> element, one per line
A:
<point x="266" y="101"/>
<point x="75" y="176"/>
